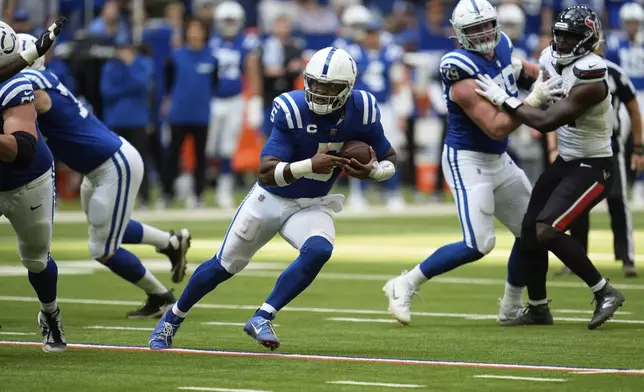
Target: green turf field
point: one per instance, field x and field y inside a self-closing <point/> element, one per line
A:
<point x="342" y="314"/>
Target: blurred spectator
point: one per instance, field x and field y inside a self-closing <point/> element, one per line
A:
<point x="21" y="23"/>
<point x="111" y="24"/>
<point x="191" y="78"/>
<point x="39" y="13"/>
<point x="204" y="10"/>
<point x="282" y="64"/>
<point x="317" y="22"/>
<point x="126" y="83"/>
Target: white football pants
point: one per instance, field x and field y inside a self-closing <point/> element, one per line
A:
<point x="225" y="126"/>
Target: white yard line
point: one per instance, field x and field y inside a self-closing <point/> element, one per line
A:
<point x="219" y="389"/>
<point x="118" y="328"/>
<point x="228" y="324"/>
<point x="537" y="379"/>
<point x="362" y="320"/>
<point x="16" y="333"/>
<point x="375" y="384"/>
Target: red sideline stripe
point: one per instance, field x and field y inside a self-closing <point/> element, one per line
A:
<point x="313" y="357"/>
<point x="579" y="206"/>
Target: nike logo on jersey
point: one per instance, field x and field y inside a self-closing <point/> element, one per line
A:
<point x="36" y="207"/>
<point x="584" y="165"/>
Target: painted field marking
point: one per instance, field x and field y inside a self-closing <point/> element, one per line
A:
<point x="313" y="357"/>
<point x="17" y="333"/>
<point x="118" y="328"/>
<point x="537" y="379"/>
<point x="361" y="320"/>
<point x="375" y="384"/>
<point x="228" y="324"/>
<point x="466" y="316"/>
<point x="219" y="389"/>
<point x="583" y="311"/>
<point x="593" y="372"/>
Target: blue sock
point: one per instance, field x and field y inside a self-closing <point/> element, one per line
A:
<point x="126" y="265"/>
<point x="45" y="282"/>
<point x="133" y="233"/>
<point x="204" y="280"/>
<point x="225" y="166"/>
<point x="315" y="252"/>
<point x="516" y="276"/>
<point x="448" y="257"/>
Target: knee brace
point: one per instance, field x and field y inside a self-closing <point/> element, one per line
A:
<point x="317" y="250"/>
<point x="545" y="232"/>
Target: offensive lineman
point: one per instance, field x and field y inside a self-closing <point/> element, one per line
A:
<point x="582" y="174"/>
<point x="27" y="193"/>
<point x="291" y="198"/>
<point x="112" y="171"/>
<point x="482" y="176"/>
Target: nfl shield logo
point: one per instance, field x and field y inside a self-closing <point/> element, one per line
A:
<point x="261" y="197"/>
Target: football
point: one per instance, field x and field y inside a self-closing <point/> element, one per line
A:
<point x="357" y="150"/>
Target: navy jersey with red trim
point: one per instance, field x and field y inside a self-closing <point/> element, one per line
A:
<point x="459" y="64"/>
<point x="75" y="135"/>
<point x="299" y="134"/>
<point x="14" y="92"/>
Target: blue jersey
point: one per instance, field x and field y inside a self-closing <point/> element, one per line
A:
<point x="231" y="57"/>
<point x="525" y="48"/>
<point x="17" y="91"/>
<point x="459" y="64"/>
<point x="376" y="76"/>
<point x="75" y="136"/>
<point x="630" y="56"/>
<point x="299" y="134"/>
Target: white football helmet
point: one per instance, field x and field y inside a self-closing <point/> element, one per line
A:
<point x="329" y="78"/>
<point x="354" y="20"/>
<point x="512" y="20"/>
<point x="229" y="18"/>
<point x="25" y="41"/>
<point x="8" y="40"/>
<point x="467" y="20"/>
<point x="631" y="12"/>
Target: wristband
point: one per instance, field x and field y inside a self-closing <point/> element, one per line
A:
<point x="279" y="174"/>
<point x="512" y="104"/>
<point x="300" y="169"/>
<point x="30" y="54"/>
<point x="382" y="171"/>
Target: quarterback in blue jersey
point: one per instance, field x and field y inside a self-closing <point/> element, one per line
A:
<point x="27" y="192"/>
<point x="297" y="170"/>
<point x="485" y="181"/>
<point x="112" y="171"/>
<point x="237" y="60"/>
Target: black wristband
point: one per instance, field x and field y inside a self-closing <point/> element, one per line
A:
<point x="26" y="147"/>
<point x="512" y="104"/>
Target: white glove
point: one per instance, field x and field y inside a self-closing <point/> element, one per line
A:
<point x="545" y="92"/>
<point x="491" y="91"/>
<point x="517" y="67"/>
<point x="255" y="112"/>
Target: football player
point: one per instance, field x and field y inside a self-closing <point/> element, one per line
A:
<point x="583" y="173"/>
<point x="297" y="170"/>
<point x="481" y="175"/>
<point x="27" y="192"/>
<point x="112" y="171"/>
<point x="237" y="62"/>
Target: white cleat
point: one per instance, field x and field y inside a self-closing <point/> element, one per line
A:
<point x="225" y="200"/>
<point x="399" y="292"/>
<point x="358" y="204"/>
<point x="396" y="203"/>
<point x="507" y="312"/>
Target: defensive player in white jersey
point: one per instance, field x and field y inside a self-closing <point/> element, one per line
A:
<point x="112" y="171"/>
<point x="237" y="63"/>
<point x="483" y="178"/>
<point x="582" y="174"/>
<point x="27" y="192"/>
<point x="297" y="170"/>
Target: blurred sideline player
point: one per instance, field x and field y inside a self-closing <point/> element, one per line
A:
<point x="237" y="62"/>
<point x="27" y="192"/>
<point x="355" y="19"/>
<point x="628" y="52"/>
<point x="512" y="21"/>
<point x="112" y="171"/>
<point x="481" y="175"/>
<point x="297" y="171"/>
<point x="582" y="175"/>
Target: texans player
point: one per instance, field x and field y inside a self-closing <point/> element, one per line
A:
<point x="297" y="170"/>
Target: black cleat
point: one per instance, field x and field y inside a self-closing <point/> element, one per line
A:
<point x="531" y="315"/>
<point x="155" y="306"/>
<point x="607" y="301"/>
<point x="51" y="328"/>
<point x="629" y="270"/>
<point x="176" y="252"/>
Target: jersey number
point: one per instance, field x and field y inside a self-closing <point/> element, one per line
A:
<point x="374" y="77"/>
<point x="333" y="147"/>
<point x="509" y="81"/>
<point x="228" y="63"/>
<point x="82" y="110"/>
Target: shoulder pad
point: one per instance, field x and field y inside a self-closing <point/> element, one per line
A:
<point x="16" y="91"/>
<point x="39" y="79"/>
<point x="545" y="58"/>
<point x="590" y="68"/>
<point x="366" y="107"/>
<point x="455" y="66"/>
<point x="286" y="113"/>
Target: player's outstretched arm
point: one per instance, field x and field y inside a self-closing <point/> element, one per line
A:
<point x="564" y="111"/>
<point x="18" y="144"/>
<point x="494" y="122"/>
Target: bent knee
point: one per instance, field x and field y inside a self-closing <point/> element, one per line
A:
<point x="233" y="264"/>
<point x="318" y="248"/>
<point x="545" y="232"/>
<point x="486" y="244"/>
<point x="36" y="264"/>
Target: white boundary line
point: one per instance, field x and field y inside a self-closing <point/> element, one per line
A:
<point x="537" y="379"/>
<point x="117" y="328"/>
<point x="219" y="389"/>
<point x="313" y="357"/>
<point x="375" y="384"/>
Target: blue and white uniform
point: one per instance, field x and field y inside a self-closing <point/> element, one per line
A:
<point x="27" y="192"/>
<point x="629" y="55"/>
<point x="480" y="173"/>
<point x="227" y="107"/>
<point x="112" y="168"/>
<point x="304" y="208"/>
